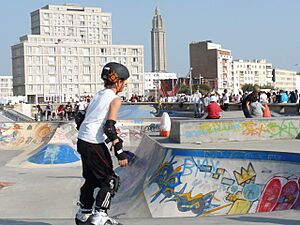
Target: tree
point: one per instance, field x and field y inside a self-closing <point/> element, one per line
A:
<point x="203" y="88"/>
<point x="250" y="87"/>
<point x="184" y="89"/>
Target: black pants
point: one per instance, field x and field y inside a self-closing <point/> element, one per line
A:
<point x="96" y="169"/>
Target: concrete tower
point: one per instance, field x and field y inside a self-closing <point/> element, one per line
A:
<point x="158" y="43"/>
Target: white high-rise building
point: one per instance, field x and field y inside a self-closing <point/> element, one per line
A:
<point x="63" y="57"/>
<point x="251" y="72"/>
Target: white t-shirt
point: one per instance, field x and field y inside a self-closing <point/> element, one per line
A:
<point x="91" y="129"/>
<point x="226" y="98"/>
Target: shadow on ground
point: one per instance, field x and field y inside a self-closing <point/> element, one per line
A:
<point x="20" y="222"/>
<point x="261" y="220"/>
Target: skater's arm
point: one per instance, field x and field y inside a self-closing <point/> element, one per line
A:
<point x="111" y="131"/>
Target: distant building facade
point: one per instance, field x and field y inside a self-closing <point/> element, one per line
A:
<point x="153" y="82"/>
<point x="158" y="43"/>
<point x="211" y="65"/>
<point x="251" y="72"/>
<point x="6" y="86"/>
<point x="286" y="80"/>
<point x="63" y="57"/>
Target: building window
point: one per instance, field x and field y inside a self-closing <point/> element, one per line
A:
<point x="51" y="60"/>
<point x="86" y="60"/>
<point x="86" y="70"/>
<point x="52" y="79"/>
<point x="51" y="50"/>
<point x="51" y="70"/>
<point x="134" y="51"/>
<point x="87" y="78"/>
<point x="86" y="51"/>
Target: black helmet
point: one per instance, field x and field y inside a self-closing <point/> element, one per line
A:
<point x="113" y="72"/>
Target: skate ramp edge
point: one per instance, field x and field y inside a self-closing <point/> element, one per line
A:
<point x="173" y="182"/>
<point x="224" y="130"/>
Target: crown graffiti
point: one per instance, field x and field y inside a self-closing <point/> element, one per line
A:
<point x="245" y="175"/>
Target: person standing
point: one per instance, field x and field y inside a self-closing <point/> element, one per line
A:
<point x="246" y="103"/>
<point x="197" y="100"/>
<point x="97" y="129"/>
<point x="225" y="100"/>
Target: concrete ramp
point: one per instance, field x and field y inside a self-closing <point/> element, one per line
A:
<point x="136" y="111"/>
<point x="55" y="154"/>
<point x="168" y="181"/>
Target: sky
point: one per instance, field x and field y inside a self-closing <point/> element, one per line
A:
<point x="256" y="29"/>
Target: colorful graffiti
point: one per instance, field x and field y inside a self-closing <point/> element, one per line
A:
<point x="280" y="193"/>
<point x="167" y="178"/>
<point x="16" y="136"/>
<point x="252" y="128"/>
<point x="203" y="186"/>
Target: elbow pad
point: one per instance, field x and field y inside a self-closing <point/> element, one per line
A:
<point x="110" y="130"/>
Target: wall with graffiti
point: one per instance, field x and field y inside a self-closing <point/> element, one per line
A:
<point x="236" y="130"/>
<point x="202" y="183"/>
<point x="21" y="136"/>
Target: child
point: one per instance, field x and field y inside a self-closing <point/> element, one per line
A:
<point x="97" y="127"/>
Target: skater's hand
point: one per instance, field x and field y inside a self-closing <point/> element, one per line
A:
<point x="123" y="163"/>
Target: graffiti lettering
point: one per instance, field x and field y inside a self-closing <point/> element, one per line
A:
<point x="191" y="166"/>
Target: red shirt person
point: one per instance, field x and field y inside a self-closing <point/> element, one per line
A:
<point x="213" y="109"/>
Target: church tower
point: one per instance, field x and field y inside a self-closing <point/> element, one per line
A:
<point x="158" y="43"/>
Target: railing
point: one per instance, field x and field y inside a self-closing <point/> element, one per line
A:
<point x="16" y="116"/>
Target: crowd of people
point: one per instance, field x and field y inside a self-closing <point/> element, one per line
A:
<point x="61" y="112"/>
<point x="257" y="104"/>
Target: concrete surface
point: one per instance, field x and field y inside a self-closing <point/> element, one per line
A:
<point x="48" y="196"/>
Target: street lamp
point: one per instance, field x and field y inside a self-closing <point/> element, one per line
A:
<point x="59" y="70"/>
<point x="191" y="90"/>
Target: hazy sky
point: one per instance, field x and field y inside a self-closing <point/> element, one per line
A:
<point x="256" y="29"/>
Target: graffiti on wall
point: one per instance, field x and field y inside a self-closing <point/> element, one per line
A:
<point x="280" y="193"/>
<point x="203" y="186"/>
<point x="275" y="129"/>
<point x="15" y="134"/>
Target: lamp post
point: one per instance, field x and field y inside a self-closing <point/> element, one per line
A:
<point x="191" y="90"/>
<point x="59" y="70"/>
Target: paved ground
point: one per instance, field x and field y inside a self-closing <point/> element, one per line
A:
<point x="291" y="217"/>
<point x="48" y="196"/>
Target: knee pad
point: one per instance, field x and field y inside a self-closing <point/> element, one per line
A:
<point x="113" y="183"/>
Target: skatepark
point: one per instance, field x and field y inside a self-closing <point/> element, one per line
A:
<point x="229" y="171"/>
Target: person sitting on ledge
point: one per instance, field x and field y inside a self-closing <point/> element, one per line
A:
<point x="213" y="109"/>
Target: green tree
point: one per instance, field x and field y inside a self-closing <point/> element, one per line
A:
<point x="203" y="88"/>
<point x="250" y="87"/>
<point x="184" y="89"/>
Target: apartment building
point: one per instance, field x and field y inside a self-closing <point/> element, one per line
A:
<point x="251" y="72"/>
<point x="63" y="57"/>
<point x="6" y="86"/>
<point x="211" y="64"/>
<point x="286" y="80"/>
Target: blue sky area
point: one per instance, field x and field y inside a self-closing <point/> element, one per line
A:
<point x="256" y="29"/>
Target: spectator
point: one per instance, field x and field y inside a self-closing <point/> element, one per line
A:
<point x="246" y="103"/>
<point x="60" y="112"/>
<point x="197" y="100"/>
<point x="225" y="100"/>
<point x="213" y="109"/>
<point x="38" y="113"/>
<point x="49" y="111"/>
<point x="69" y="111"/>
<point x="256" y="108"/>
<point x="283" y="97"/>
